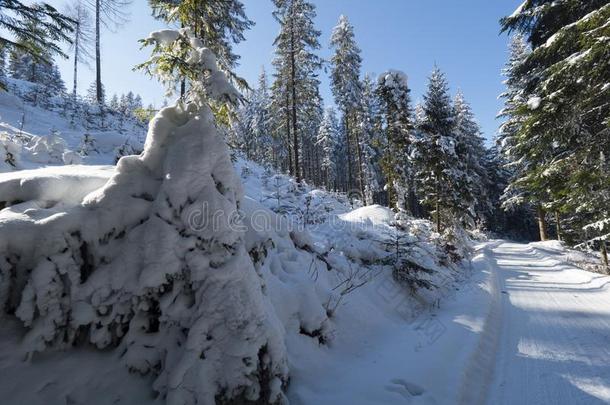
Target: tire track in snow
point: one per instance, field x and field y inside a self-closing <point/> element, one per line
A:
<point x="478" y="375"/>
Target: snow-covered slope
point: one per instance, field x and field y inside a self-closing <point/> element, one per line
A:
<point x="192" y="290"/>
<point x="35" y="136"/>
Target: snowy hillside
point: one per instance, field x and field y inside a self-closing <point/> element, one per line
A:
<point x="85" y="264"/>
<point x="32" y="136"/>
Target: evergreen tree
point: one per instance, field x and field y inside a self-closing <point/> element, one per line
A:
<point x="114" y="103"/>
<point x="219" y="24"/>
<point x="369" y="127"/>
<point x="345" y="82"/>
<point x="395" y="106"/>
<point x="327" y="142"/>
<point x="438" y="169"/>
<point x="561" y="141"/>
<point x="38" y="29"/>
<point x="470" y="151"/>
<point x="296" y="99"/>
<point x="91" y="97"/>
<point x="259" y="121"/>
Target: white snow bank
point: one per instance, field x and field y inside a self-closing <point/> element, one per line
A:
<point x="66" y="184"/>
<point x="372" y="214"/>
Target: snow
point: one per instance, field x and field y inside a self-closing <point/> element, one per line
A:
<point x="534" y="102"/>
<point x="37" y="137"/>
<point x="555" y="329"/>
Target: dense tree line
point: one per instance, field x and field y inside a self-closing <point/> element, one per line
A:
<point x="557" y="129"/>
<point x="374" y="146"/>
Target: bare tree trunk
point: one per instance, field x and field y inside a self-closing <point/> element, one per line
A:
<point x="541" y="223"/>
<point x="360" y="174"/>
<point x="604" y="252"/>
<point x="438" y="206"/>
<point x="98" y="58"/>
<point x="288" y="146"/>
<point x="558" y="225"/>
<point x="348" y="153"/>
<point x="76" y="50"/>
<point x="295" y="138"/>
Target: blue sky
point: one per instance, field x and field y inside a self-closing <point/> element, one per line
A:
<point x="461" y="37"/>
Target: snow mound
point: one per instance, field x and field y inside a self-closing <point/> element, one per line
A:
<point x="372" y="214"/>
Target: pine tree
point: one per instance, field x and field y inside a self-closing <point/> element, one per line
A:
<point x="114" y="103"/>
<point x="219" y="24"/>
<point x="470" y="151"/>
<point x="91" y="97"/>
<point x="296" y="99"/>
<point x="395" y="105"/>
<point x="38" y="29"/>
<point x="369" y="128"/>
<point x="345" y="82"/>
<point x="327" y="142"/>
<point x="259" y="121"/>
<point x="438" y="171"/>
<point x="563" y="116"/>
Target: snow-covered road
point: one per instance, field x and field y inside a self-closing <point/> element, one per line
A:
<point x="554" y="329"/>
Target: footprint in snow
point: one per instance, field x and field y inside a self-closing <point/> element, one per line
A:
<point x="405" y="388"/>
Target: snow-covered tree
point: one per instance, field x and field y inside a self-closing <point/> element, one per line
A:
<point x="92" y="97"/>
<point x="471" y="152"/>
<point x="395" y="106"/>
<point x="562" y="131"/>
<point x="296" y="101"/>
<point x="327" y="142"/>
<point x="155" y="265"/>
<point x="438" y="170"/>
<point x="371" y="139"/>
<point x="345" y="84"/>
<point x="219" y="24"/>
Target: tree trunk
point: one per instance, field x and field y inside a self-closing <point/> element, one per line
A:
<point x="76" y="49"/>
<point x="98" y="58"/>
<point x="360" y="174"/>
<point x="558" y="225"/>
<point x="541" y="223"/>
<point x="288" y="146"/>
<point x="295" y="138"/>
<point x="604" y="252"/>
<point x="438" y="206"/>
<point x="348" y="152"/>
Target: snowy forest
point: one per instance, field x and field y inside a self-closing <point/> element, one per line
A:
<point x="258" y="242"/>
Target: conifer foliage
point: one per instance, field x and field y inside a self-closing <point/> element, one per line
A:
<point x="558" y="115"/>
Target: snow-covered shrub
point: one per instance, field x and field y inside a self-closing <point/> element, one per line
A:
<point x="48" y="149"/>
<point x="10" y="152"/>
<point x="154" y="264"/>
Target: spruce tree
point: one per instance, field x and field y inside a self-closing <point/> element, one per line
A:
<point x="471" y="153"/>
<point x="369" y="128"/>
<point x="395" y="106"/>
<point x="438" y="172"/>
<point x="295" y="92"/>
<point x="327" y="142"/>
<point x="219" y="24"/>
<point x="38" y="29"/>
<point x="345" y="83"/>
<point x="561" y="139"/>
